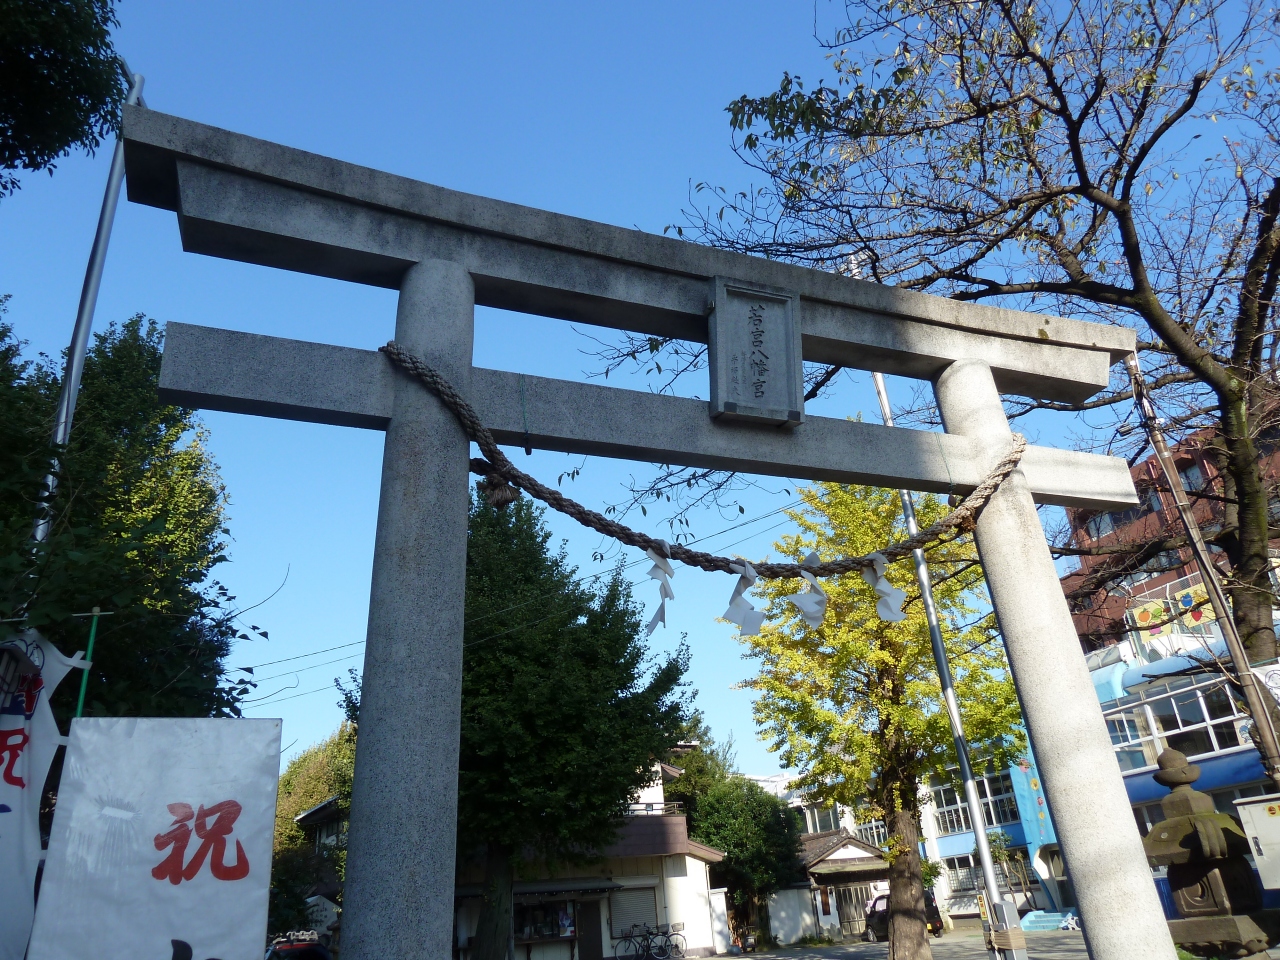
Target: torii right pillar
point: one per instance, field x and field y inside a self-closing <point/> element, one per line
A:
<point x="1119" y="908"/>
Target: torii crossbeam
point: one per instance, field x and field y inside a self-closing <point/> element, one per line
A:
<point x="444" y="251"/>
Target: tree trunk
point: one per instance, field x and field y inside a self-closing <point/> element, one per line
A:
<point x="1250" y="591"/>
<point x="1016" y="875"/>
<point x="493" y="933"/>
<point x="908" y="933"/>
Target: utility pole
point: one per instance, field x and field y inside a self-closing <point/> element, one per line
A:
<point x="1253" y="696"/>
<point x="84" y="320"/>
<point x="972" y="801"/>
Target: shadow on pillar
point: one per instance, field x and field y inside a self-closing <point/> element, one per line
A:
<point x="1213" y="886"/>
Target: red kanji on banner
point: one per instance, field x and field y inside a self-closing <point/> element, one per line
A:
<point x="29" y="688"/>
<point x="12" y="743"/>
<point x="213" y="843"/>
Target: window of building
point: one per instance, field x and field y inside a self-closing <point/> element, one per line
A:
<point x="821" y="819"/>
<point x="1192" y="477"/>
<point x="965" y="872"/>
<point x="1147" y="815"/>
<point x="553" y="920"/>
<point x="1101" y="524"/>
<point x="874" y="833"/>
<point x="994" y="790"/>
<point x="960" y="873"/>
<point x="1225" y="800"/>
<point x="1196" y="718"/>
<point x="1162" y="562"/>
<point x="330" y="833"/>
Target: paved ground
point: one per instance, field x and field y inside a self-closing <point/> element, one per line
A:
<point x="961" y="945"/>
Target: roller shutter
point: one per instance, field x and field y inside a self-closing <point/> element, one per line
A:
<point x="630" y="907"/>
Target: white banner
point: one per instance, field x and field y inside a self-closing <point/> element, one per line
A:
<point x="161" y="843"/>
<point x="1269" y="677"/>
<point x="28" y="741"/>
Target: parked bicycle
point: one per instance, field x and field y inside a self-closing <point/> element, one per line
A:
<point x="643" y="942"/>
<point x="676" y="939"/>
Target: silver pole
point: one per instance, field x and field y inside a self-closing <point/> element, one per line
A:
<point x="972" y="801"/>
<point x="84" y="319"/>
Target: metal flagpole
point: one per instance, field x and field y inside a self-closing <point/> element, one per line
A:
<point x="974" y="804"/>
<point x="95" y="613"/>
<point x="84" y="319"/>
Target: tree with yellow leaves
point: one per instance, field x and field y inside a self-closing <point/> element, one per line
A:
<point x="855" y="705"/>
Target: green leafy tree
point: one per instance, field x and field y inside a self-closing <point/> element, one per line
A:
<point x="61" y="81"/>
<point x="138" y="525"/>
<point x="563" y="713"/>
<point x="930" y="871"/>
<point x="758" y="833"/>
<point x="760" y="836"/>
<point x="1011" y="861"/>
<point x="854" y="705"/>
<point x="702" y="767"/>
<point x="1111" y="161"/>
<point x="298" y="869"/>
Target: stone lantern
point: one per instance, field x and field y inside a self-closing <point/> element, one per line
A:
<point x="1213" y="884"/>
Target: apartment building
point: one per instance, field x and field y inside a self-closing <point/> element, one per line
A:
<point x="1013" y="804"/>
<point x="1148" y="637"/>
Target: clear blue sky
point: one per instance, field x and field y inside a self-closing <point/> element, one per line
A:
<point x="604" y="111"/>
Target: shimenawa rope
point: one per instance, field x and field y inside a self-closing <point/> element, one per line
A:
<point x="499" y="471"/>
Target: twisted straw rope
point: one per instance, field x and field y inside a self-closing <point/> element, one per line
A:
<point x="960" y="520"/>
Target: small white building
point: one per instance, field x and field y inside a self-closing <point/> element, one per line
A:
<point x="653" y="876"/>
<point x="844" y="867"/>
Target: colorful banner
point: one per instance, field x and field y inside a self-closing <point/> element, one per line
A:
<point x="1185" y="601"/>
<point x="161" y="842"/>
<point x="28" y="741"/>
<point x="1146" y="614"/>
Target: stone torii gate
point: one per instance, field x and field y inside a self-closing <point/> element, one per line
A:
<point x="444" y="251"/>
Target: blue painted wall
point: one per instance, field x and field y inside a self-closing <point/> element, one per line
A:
<point x="1035" y="825"/>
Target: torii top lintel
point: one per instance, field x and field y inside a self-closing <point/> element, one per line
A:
<point x="246" y="199"/>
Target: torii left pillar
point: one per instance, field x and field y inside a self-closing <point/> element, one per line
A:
<point x="401" y="842"/>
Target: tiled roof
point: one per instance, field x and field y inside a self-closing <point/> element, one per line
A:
<point x="324" y="811"/>
<point x="818" y="846"/>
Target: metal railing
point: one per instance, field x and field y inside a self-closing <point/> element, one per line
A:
<point x="669" y="809"/>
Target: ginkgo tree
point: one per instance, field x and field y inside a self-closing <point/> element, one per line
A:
<point x="854" y="705"/>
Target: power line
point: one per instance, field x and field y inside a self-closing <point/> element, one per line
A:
<point x="313" y="653"/>
<point x="305" y="693"/>
<point x="632" y="583"/>
<point x="294" y="673"/>
<point x="585" y="577"/>
<point x="263" y="702"/>
<point x="634" y="563"/>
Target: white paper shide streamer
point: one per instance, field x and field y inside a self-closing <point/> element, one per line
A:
<point x="741" y="611"/>
<point x="888" y="597"/>
<point x="662" y="572"/>
<point x="812" y="604"/>
<point x="28" y="741"/>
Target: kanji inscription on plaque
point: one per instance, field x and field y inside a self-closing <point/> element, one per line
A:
<point x="754" y="352"/>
